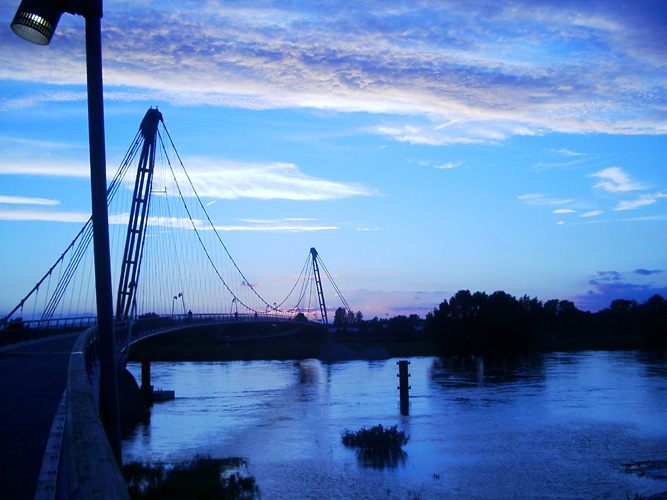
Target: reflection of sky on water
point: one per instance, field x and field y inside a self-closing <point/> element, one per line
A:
<point x="558" y="424"/>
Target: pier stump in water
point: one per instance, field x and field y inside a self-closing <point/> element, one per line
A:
<point x="146" y="387"/>
<point x="403" y="386"/>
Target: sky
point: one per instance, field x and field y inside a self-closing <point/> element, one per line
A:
<point x="422" y="147"/>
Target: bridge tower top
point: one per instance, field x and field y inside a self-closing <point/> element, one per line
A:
<point x="318" y="284"/>
<point x="150" y="122"/>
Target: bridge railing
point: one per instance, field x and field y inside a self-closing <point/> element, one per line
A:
<point x="148" y="325"/>
<point x="18" y="330"/>
<point x="89" y="469"/>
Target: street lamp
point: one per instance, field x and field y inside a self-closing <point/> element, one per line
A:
<point x="36" y="21"/>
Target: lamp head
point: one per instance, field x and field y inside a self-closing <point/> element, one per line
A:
<point x="36" y="20"/>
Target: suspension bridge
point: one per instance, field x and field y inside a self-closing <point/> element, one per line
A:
<point x="169" y="258"/>
<point x="171" y="271"/>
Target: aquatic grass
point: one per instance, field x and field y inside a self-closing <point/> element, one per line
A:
<point x="202" y="477"/>
<point x="377" y="447"/>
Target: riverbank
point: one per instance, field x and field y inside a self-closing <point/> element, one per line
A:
<point x="284" y="342"/>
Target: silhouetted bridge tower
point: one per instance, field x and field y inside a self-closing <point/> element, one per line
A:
<point x="136" y="228"/>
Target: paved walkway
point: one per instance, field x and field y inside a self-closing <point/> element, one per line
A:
<point x="32" y="380"/>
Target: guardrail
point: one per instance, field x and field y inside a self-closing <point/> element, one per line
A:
<point x="148" y="326"/>
<point x="88" y="467"/>
<point x="18" y="330"/>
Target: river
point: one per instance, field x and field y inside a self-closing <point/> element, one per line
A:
<point x="558" y="425"/>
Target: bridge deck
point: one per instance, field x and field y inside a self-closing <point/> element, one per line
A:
<point x="32" y="380"/>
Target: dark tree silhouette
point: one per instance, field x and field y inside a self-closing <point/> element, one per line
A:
<point x="477" y="323"/>
<point x="340" y="317"/>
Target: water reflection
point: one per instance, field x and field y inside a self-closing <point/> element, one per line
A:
<point x="309" y="371"/>
<point x="375" y="459"/>
<point x="465" y="371"/>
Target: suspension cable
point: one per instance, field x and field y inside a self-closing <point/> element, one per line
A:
<point x="194" y="227"/>
<point x="201" y="204"/>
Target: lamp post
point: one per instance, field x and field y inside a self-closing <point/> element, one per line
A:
<point x="36" y="21"/>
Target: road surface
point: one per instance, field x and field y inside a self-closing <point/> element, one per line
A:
<point x="32" y="380"/>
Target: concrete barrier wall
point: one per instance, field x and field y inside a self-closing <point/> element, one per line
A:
<point x="89" y="464"/>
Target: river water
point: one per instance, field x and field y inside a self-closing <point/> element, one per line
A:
<point x="558" y="425"/>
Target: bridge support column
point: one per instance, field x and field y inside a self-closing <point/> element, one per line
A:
<point x="146" y="387"/>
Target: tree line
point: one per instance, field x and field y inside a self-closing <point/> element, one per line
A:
<point x="479" y="323"/>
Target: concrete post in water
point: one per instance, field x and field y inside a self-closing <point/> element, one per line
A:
<point x="146" y="387"/>
<point x="403" y="386"/>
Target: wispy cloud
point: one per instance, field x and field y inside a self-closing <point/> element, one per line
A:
<point x="591" y="213"/>
<point x="27" y="101"/>
<point x="541" y="199"/>
<point x="279" y="225"/>
<point x="568" y="152"/>
<point x="422" y="135"/>
<point x="223" y="179"/>
<point x="563" y="211"/>
<point x="615" y="180"/>
<point x="642" y="201"/>
<point x="47" y="167"/>
<point x="561" y="165"/>
<point x="449" y="165"/>
<point x="446" y="166"/>
<point x="218" y="178"/>
<point x="472" y="72"/>
<point x="23" y="200"/>
<point x="41" y="215"/>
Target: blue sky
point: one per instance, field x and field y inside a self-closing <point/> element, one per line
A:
<point x="422" y="147"/>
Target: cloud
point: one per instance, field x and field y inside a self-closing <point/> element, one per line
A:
<point x="563" y="211"/>
<point x="642" y="201"/>
<point x="47" y="167"/>
<point x="615" y="180"/>
<point x="567" y="152"/>
<point x="277" y="228"/>
<point x="545" y="165"/>
<point x="591" y="213"/>
<point x="223" y="179"/>
<point x="415" y="135"/>
<point x="39" y="99"/>
<point x="219" y="179"/>
<point x="647" y="272"/>
<point x="607" y="276"/>
<point x="472" y="72"/>
<point x="541" y="199"/>
<point x="392" y="302"/>
<point x="446" y="166"/>
<point x="607" y="286"/>
<point x="439" y="166"/>
<point x="646" y="218"/>
<point x="280" y="225"/>
<point x="22" y="200"/>
<point x="39" y="215"/>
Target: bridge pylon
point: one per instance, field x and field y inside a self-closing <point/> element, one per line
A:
<point x="318" y="285"/>
<point x="136" y="228"/>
